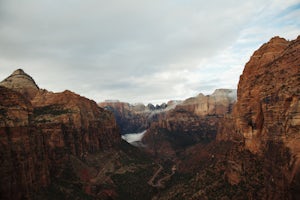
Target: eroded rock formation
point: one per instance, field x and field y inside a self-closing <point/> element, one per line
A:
<point x="21" y="82"/>
<point x="192" y="121"/>
<point x="40" y="130"/>
<point x="218" y="103"/>
<point x="24" y="162"/>
<point x="135" y="118"/>
<point x="267" y="118"/>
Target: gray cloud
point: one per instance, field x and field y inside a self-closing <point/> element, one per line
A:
<point x="133" y="50"/>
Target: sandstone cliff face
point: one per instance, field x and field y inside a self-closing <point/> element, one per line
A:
<point x="192" y="121"/>
<point x="72" y="125"/>
<point x="219" y="103"/>
<point x="78" y="113"/>
<point x="40" y="130"/>
<point x="24" y="165"/>
<point x="266" y="116"/>
<point x="176" y="130"/>
<point x="268" y="94"/>
<point x="21" y="82"/>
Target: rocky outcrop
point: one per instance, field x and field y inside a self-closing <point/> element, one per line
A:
<point x="73" y="125"/>
<point x="24" y="165"/>
<point x="266" y="117"/>
<point x="218" y="103"/>
<point x="268" y="94"/>
<point x="40" y="131"/>
<point x="192" y="121"/>
<point x="176" y="130"/>
<point x="21" y="82"/>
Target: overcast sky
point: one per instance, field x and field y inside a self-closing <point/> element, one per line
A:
<point x="138" y="50"/>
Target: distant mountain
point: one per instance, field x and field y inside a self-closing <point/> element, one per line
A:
<point x="134" y="118"/>
<point x="218" y="103"/>
<point x="194" y="120"/>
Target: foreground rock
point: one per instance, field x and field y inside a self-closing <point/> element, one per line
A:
<point x="40" y="130"/>
<point x="267" y="116"/>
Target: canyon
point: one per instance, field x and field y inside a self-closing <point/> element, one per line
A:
<point x="232" y="144"/>
<point x="255" y="154"/>
<point x="193" y="121"/>
<point x="134" y="118"/>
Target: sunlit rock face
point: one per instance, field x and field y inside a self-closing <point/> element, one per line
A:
<point x="40" y="130"/>
<point x="268" y="94"/>
<point x="267" y="116"/>
<point x="218" y="103"/>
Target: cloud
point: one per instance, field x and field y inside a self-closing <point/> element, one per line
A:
<point x="138" y="50"/>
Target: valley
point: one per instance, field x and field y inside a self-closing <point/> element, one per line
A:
<point x="231" y="144"/>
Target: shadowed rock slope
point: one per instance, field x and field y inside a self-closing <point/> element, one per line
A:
<point x="135" y="118"/>
<point x="41" y="131"/>
<point x="193" y="121"/>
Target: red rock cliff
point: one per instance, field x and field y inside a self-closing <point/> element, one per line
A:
<point x="267" y="116"/>
<point x="24" y="161"/>
<point x="218" y="103"/>
<point x="194" y="120"/>
<point x="40" y="130"/>
<point x="268" y="95"/>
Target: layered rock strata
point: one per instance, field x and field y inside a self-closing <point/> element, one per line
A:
<point x="40" y="130"/>
<point x="267" y="118"/>
<point x="21" y="82"/>
<point x="135" y="118"/>
<point x="194" y="120"/>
